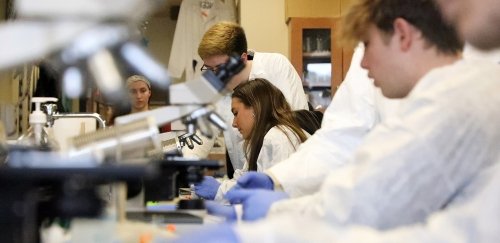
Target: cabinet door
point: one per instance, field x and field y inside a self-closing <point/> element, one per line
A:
<point x="316" y="56"/>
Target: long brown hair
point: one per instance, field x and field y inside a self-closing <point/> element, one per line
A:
<point x="271" y="109"/>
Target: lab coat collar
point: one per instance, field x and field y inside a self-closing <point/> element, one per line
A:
<point x="257" y="69"/>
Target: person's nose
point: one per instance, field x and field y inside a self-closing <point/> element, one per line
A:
<point x="235" y="125"/>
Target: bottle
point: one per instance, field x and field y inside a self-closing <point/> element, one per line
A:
<point x="36" y="135"/>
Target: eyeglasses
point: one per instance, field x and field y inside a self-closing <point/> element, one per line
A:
<point x="213" y="69"/>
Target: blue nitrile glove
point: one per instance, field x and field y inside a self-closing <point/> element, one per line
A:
<point x="221" y="233"/>
<point x="256" y="202"/>
<point x="217" y="209"/>
<point x="255" y="180"/>
<point x="207" y="189"/>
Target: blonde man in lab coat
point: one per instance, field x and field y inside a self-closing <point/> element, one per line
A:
<point x="419" y="160"/>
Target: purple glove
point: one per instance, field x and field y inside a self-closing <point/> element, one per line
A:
<point x="220" y="233"/>
<point x="255" y="180"/>
<point x="207" y="189"/>
<point x="256" y="202"/>
<point x="217" y="209"/>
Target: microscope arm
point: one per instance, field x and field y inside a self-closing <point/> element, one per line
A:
<point x="88" y="9"/>
<point x="162" y="115"/>
<point x="18" y="46"/>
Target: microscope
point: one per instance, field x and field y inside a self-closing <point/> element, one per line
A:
<point x="95" y="41"/>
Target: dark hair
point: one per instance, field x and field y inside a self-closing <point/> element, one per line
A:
<point x="423" y="14"/>
<point x="271" y="109"/>
<point x="308" y="120"/>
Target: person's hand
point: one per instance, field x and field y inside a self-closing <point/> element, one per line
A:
<point x="256" y="202"/>
<point x="217" y="209"/>
<point x="207" y="189"/>
<point x="221" y="233"/>
<point x="255" y="180"/>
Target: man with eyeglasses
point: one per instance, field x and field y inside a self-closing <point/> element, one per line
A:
<point x="228" y="38"/>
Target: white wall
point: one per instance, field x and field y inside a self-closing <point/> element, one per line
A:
<point x="264" y="24"/>
<point x="5" y="91"/>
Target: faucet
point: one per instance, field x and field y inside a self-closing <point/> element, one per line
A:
<point x="96" y="116"/>
<point x="52" y="115"/>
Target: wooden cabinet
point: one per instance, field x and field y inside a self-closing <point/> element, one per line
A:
<point x="317" y="57"/>
<point x="312" y="8"/>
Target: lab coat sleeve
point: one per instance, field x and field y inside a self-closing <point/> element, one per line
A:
<point x="414" y="164"/>
<point x="476" y="219"/>
<point x="280" y="72"/>
<point x="277" y="146"/>
<point x="298" y="98"/>
<point x="224" y="187"/>
<point x="351" y="115"/>
<point x="227" y="184"/>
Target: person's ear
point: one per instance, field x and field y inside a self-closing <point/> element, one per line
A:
<point x="244" y="57"/>
<point x="404" y="32"/>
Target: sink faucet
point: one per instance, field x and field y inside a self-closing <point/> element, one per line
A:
<point x="52" y="115"/>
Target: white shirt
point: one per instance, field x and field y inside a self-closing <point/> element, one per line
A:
<point x="192" y="23"/>
<point x="276" y="69"/>
<point x="444" y="134"/>
<point x="474" y="220"/>
<point x="277" y="145"/>
<point x="355" y="109"/>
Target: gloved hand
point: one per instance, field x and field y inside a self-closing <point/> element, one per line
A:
<point x="217" y="209"/>
<point x="256" y="202"/>
<point x="207" y="189"/>
<point x="255" y="180"/>
<point x="221" y="233"/>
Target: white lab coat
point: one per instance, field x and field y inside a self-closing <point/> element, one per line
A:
<point x="355" y="109"/>
<point x="279" y="71"/>
<point x="277" y="146"/>
<point x="474" y="220"/>
<point x="191" y="26"/>
<point x="444" y="134"/>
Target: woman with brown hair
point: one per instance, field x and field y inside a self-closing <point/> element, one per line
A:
<point x="269" y="130"/>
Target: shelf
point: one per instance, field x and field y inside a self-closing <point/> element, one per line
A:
<point x="317" y="54"/>
<point x="316" y="87"/>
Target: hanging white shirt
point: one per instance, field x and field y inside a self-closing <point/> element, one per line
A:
<point x="195" y="18"/>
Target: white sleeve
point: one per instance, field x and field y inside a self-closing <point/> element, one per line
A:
<point x="297" y="97"/>
<point x="276" y="68"/>
<point x="351" y="115"/>
<point x="409" y="167"/>
<point x="276" y="147"/>
<point x="224" y="187"/>
<point x="475" y="219"/>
